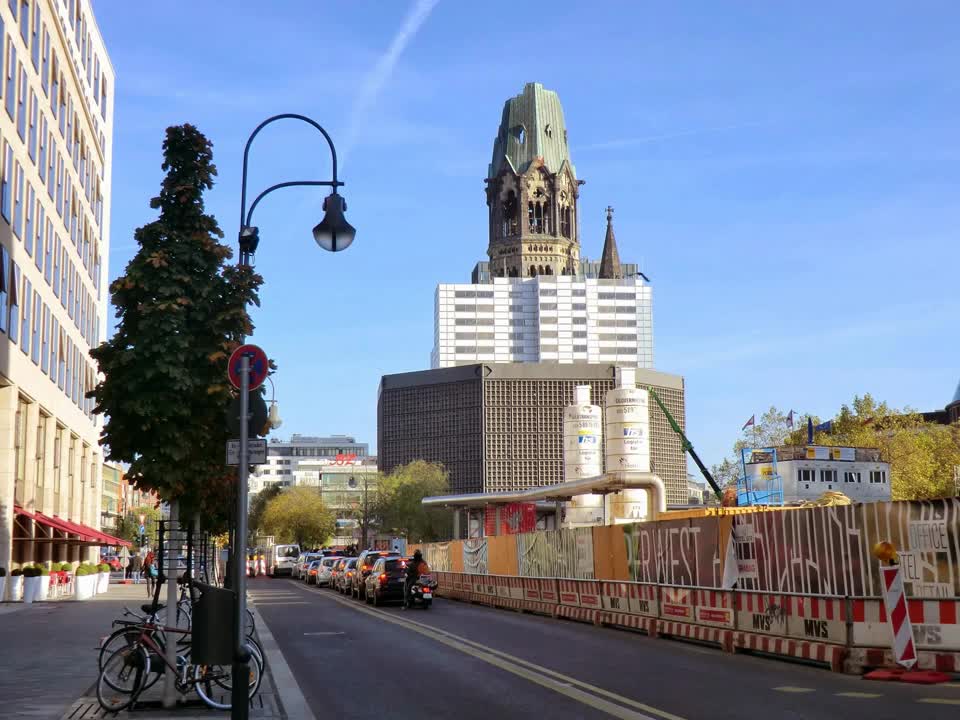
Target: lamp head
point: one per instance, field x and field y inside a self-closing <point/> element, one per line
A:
<point x="334" y="233"/>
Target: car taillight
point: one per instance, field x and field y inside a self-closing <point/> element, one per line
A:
<point x="383" y="577"/>
<point x="349" y="573"/>
<point x="313" y="572"/>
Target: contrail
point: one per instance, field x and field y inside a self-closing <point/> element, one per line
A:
<point x="373" y="83"/>
<point x="626" y="142"/>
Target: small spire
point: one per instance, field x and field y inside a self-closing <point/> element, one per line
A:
<point x="610" y="268"/>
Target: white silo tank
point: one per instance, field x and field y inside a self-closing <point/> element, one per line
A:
<point x="582" y="437"/>
<point x="627" y="426"/>
<point x="583" y="455"/>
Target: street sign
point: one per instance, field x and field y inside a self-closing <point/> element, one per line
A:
<point x="256" y="452"/>
<point x="259" y="366"/>
<point x="142" y="531"/>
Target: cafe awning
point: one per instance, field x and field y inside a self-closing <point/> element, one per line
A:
<point x="83" y="533"/>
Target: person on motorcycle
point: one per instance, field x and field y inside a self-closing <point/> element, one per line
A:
<point x="415" y="568"/>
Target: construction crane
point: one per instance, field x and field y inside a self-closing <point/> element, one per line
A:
<point x="688" y="447"/>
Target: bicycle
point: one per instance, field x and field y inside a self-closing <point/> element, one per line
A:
<point x="126" y="672"/>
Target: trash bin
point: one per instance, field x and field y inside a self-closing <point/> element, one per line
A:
<point x="212" y="632"/>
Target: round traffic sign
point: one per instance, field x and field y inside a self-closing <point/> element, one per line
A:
<point x="259" y="366"/>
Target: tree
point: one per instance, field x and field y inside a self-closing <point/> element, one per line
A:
<point x="128" y="525"/>
<point x="257" y="507"/>
<point x="180" y="310"/>
<point x="399" y="506"/>
<point x="298" y="515"/>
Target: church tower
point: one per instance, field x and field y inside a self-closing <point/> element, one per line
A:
<point x="532" y="190"/>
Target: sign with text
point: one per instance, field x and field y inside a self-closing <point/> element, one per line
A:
<point x="256" y="452"/>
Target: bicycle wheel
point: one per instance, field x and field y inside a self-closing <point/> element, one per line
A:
<point x="212" y="683"/>
<point x="256" y="656"/>
<point x="250" y="626"/>
<point x="122" y="677"/>
<point x="119" y="638"/>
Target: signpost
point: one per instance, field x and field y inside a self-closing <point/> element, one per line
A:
<point x="259" y="366"/>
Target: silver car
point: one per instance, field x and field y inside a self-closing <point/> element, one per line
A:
<point x="300" y="572"/>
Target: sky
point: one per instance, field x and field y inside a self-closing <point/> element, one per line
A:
<point x="786" y="174"/>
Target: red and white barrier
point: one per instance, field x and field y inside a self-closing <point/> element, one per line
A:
<point x="676" y="603"/>
<point x="832" y="655"/>
<point x="569" y="592"/>
<point x="549" y="592"/>
<point x="715" y="608"/>
<point x="531" y="589"/>
<point x="904" y="651"/>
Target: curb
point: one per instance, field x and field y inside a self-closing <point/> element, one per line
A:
<point x="289" y="696"/>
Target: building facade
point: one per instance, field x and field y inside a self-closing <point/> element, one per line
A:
<point x="285" y="458"/>
<point x="349" y="490"/>
<point x="498" y="427"/>
<point x="544" y="319"/>
<point x="806" y="473"/>
<point x="112" y="508"/>
<point x="56" y="130"/>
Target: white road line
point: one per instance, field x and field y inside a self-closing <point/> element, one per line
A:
<point x="323" y="633"/>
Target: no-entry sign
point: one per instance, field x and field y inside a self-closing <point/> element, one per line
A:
<point x="259" y="366"/>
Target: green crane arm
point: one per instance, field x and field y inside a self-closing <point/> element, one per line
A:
<point x="688" y="446"/>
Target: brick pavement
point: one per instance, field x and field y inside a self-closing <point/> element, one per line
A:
<point x="48" y="650"/>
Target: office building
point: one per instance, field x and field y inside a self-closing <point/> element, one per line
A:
<point x="56" y="129"/>
<point x="284" y="458"/>
<point x="498" y="427"/>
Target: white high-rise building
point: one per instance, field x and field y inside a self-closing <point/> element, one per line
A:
<point x="56" y="128"/>
<point x="544" y="319"/>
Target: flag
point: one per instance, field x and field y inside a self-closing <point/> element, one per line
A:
<point x="751" y="421"/>
<point x="790" y="420"/>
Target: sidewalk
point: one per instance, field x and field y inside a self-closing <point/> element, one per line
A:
<point x="265" y="705"/>
<point x="48" y="649"/>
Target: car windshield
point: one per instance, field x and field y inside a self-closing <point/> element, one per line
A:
<point x="291" y="551"/>
<point x="328" y="562"/>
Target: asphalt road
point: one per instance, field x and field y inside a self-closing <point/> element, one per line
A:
<point x="469" y="662"/>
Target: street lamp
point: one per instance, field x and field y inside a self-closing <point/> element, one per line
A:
<point x="332" y="233"/>
<point x="273" y="417"/>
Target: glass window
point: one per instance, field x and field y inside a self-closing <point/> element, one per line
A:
<point x="63" y="353"/>
<point x="22" y="103"/>
<point x="25" y="21"/>
<point x="51" y="165"/>
<point x="25" y="316"/>
<point x="20" y="450"/>
<point x="45" y="66"/>
<point x="4" y="284"/>
<point x="37" y="321"/>
<point x="48" y="253"/>
<point x="54" y="82"/>
<point x="60" y="206"/>
<point x="18" y="203"/>
<point x="6" y="183"/>
<point x="38" y="235"/>
<point x="13" y="316"/>
<point x="54" y="345"/>
<point x="57" y="259"/>
<point x="11" y="85"/>
<point x="64" y="274"/>
<point x="35" y="37"/>
<point x="28" y="231"/>
<point x="45" y="341"/>
<point x="828" y="476"/>
<point x="76" y="298"/>
<point x="32" y="134"/>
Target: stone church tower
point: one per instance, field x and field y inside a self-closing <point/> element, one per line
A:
<point x="532" y="190"/>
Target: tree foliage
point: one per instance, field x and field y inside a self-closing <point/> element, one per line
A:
<point x="258" y="504"/>
<point x="298" y="515"/>
<point x="128" y="524"/>
<point x="399" y="509"/>
<point x="181" y="310"/>
<point x="922" y="454"/>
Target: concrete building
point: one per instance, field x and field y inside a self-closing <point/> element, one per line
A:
<point x="284" y="459"/>
<point x="346" y="489"/>
<point x="111" y="496"/>
<point x="56" y="130"/>
<point x="498" y="427"/>
<point x="807" y="472"/>
<point x="544" y="319"/>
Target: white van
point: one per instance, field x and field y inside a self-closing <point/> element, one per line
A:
<point x="282" y="559"/>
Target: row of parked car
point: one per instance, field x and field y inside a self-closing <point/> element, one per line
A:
<point x="376" y="576"/>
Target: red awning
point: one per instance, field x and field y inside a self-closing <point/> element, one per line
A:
<point x="17" y="510"/>
<point x="83" y="533"/>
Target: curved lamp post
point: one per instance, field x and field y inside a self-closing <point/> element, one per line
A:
<point x="332" y="233"/>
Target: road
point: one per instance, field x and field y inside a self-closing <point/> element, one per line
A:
<point x="473" y="663"/>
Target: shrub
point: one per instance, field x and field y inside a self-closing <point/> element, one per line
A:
<point x="103" y="567"/>
<point x="16" y="572"/>
<point x="66" y="567"/>
<point x="43" y="571"/>
<point x="82" y="570"/>
<point x="3" y="572"/>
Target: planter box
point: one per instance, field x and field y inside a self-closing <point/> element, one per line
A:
<point x="84" y="587"/>
<point x="3" y="586"/>
<point x="103" y="582"/>
<point x="16" y="588"/>
<point x="44" y="590"/>
<point x="31" y="589"/>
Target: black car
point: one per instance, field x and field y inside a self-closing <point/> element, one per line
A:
<point x="365" y="562"/>
<point x="385" y="582"/>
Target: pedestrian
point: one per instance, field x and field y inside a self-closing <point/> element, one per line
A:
<point x="150" y="570"/>
<point x="128" y="571"/>
<point x="137" y="563"/>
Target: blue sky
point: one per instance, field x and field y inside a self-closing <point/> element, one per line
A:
<point x="787" y="176"/>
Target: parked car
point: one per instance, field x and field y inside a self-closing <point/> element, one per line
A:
<point x="313" y="570"/>
<point x="113" y="561"/>
<point x="385" y="582"/>
<point x="325" y="570"/>
<point x="336" y="572"/>
<point x="365" y="562"/>
<point x="347" y="573"/>
<point x="282" y="560"/>
<point x="302" y="562"/>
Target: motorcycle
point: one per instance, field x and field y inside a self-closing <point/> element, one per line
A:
<point x="422" y="591"/>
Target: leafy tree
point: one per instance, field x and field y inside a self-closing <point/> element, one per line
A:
<point x="181" y="310"/>
<point x="257" y="507"/>
<point x="128" y="525"/>
<point x="298" y="515"/>
<point x="399" y="506"/>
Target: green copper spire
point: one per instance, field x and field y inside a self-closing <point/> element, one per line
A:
<point x="532" y="126"/>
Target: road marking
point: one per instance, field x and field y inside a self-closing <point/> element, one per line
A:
<point x="940" y="701"/>
<point x="323" y="633"/>
<point x="858" y="695"/>
<point x="792" y="689"/>
<point x="953" y="685"/>
<point x="545" y="677"/>
<point x="264" y="603"/>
